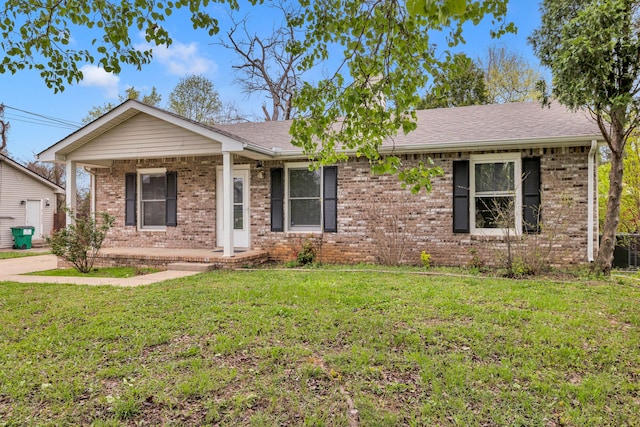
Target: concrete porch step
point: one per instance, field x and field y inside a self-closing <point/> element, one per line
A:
<point x="39" y="244"/>
<point x="192" y="266"/>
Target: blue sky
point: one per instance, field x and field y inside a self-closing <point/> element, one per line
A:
<point x="192" y="52"/>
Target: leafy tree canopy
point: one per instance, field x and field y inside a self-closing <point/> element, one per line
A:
<point x="508" y="76"/>
<point x="387" y="56"/>
<point x="37" y="35"/>
<point x="153" y="98"/>
<point x="195" y="98"/>
<point x="591" y="47"/>
<point x="463" y="84"/>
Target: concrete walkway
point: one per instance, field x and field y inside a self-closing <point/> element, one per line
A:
<point x="12" y="270"/>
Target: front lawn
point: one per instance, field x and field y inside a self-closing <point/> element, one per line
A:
<point x="20" y="254"/>
<point x="321" y="347"/>
<point x="111" y="272"/>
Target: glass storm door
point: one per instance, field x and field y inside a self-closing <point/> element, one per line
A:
<point x="241" y="220"/>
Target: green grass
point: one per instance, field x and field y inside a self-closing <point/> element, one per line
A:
<point x="321" y="347"/>
<point x="20" y="254"/>
<point x="111" y="272"/>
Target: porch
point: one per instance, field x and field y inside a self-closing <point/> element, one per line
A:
<point x="180" y="259"/>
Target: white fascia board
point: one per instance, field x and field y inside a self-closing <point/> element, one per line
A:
<point x="464" y="146"/>
<point x="58" y="153"/>
<point x="494" y="145"/>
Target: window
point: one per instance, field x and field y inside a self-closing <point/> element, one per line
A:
<point x="304" y="200"/>
<point x="238" y="204"/>
<point x="496" y="203"/>
<point x="151" y="199"/>
<point x="153" y="190"/>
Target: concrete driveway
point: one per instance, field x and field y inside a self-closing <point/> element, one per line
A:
<point x="12" y="270"/>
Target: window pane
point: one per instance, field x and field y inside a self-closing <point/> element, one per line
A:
<point x="495" y="212"/>
<point x="238" y="220"/>
<point x="153" y="213"/>
<point x="153" y="187"/>
<point x="304" y="183"/>
<point x="237" y="190"/>
<point x="494" y="176"/>
<point x="304" y="212"/>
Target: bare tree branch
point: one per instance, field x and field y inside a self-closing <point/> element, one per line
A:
<point x="268" y="64"/>
<point x="4" y="131"/>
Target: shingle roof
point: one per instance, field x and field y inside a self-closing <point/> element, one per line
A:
<point x="513" y="122"/>
<point x="56" y="188"/>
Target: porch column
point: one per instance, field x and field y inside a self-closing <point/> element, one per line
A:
<point x="71" y="190"/>
<point x="227" y="203"/>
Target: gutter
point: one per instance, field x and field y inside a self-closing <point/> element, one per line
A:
<point x="591" y="200"/>
<point x="567" y="141"/>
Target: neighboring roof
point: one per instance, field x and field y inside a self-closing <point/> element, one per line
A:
<point x="56" y="188"/>
<point x="511" y="125"/>
<point x="514" y="124"/>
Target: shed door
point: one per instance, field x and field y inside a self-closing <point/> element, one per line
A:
<point x="34" y="217"/>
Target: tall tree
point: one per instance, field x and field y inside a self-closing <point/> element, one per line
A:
<point x="509" y="77"/>
<point x="386" y="53"/>
<point x="462" y="84"/>
<point x="153" y="98"/>
<point x="591" y="47"/>
<point x="630" y="198"/>
<point x="270" y="65"/>
<point x="195" y="98"/>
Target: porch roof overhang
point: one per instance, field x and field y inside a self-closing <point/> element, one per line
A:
<point x="217" y="141"/>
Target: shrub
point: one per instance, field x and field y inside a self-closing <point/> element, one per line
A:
<point x="475" y="263"/>
<point x="426" y="260"/>
<point x="80" y="242"/>
<point x="307" y="254"/>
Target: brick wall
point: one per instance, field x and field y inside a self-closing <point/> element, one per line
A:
<point x="196" y="203"/>
<point x="375" y="215"/>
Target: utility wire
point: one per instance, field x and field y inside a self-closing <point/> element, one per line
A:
<point x="41" y="119"/>
<point x="11" y="118"/>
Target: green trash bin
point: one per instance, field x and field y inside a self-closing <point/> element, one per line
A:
<point x="22" y="236"/>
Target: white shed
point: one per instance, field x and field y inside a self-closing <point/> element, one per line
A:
<point x="26" y="198"/>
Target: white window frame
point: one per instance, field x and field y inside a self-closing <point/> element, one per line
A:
<point x="287" y="214"/>
<point x="150" y="171"/>
<point x="516" y="159"/>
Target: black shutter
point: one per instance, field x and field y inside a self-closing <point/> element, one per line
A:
<point x="330" y="199"/>
<point x="461" y="196"/>
<point x="277" y="199"/>
<point x="172" y="199"/>
<point x="531" y="195"/>
<point x="130" y="198"/>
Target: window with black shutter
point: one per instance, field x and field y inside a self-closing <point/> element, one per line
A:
<point x="461" y="196"/>
<point x="277" y="199"/>
<point x="531" y="195"/>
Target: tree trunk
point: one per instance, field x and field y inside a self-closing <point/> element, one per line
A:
<point x="612" y="217"/>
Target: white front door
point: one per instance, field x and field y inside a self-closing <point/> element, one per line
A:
<point x="241" y="221"/>
<point x="33" y="217"/>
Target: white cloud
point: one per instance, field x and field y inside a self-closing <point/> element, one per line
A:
<point x="181" y="59"/>
<point x="94" y="76"/>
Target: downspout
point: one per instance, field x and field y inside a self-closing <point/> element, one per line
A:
<point x="591" y="200"/>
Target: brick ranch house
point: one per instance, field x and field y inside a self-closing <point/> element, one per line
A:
<point x="174" y="183"/>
